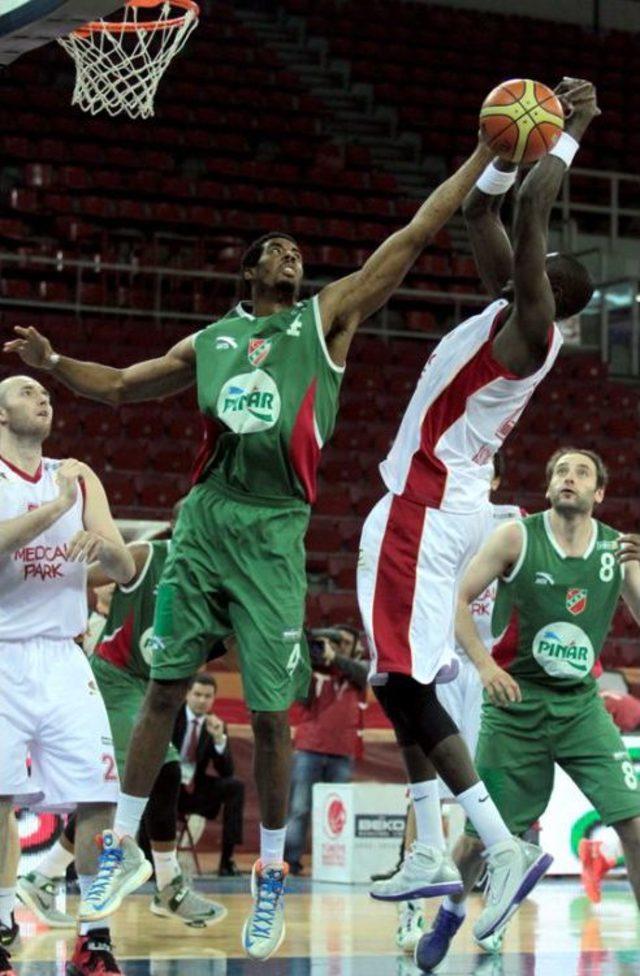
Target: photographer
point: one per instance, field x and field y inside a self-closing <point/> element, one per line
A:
<point x="327" y="739"/>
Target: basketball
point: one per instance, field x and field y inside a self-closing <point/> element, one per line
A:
<point x="521" y="120"/>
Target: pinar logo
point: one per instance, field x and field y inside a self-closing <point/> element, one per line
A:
<point x="335" y="816"/>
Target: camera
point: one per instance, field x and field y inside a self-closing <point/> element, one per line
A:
<point x="316" y="643"/>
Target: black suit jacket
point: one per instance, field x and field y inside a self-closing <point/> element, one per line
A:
<point x="206" y="752"/>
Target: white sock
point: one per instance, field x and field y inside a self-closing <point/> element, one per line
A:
<point x="484" y="815"/>
<point x="272" y="846"/>
<point x="455" y="907"/>
<point x="128" y="815"/>
<point x="7" y="904"/>
<point x="55" y="862"/>
<point x="85" y="881"/>
<point x="426" y="804"/>
<point x="166" y="866"/>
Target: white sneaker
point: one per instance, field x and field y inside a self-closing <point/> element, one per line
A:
<point x="121" y="869"/>
<point x="264" y="928"/>
<point x="410" y="925"/>
<point x="424" y="873"/>
<point x="513" y="869"/>
<point x="38" y="892"/>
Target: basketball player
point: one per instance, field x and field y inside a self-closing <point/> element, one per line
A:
<point x="268" y="377"/>
<point x="561" y="572"/>
<point x="420" y="536"/>
<point x="462" y="698"/>
<point x="54" y="518"/>
<point x="121" y="666"/>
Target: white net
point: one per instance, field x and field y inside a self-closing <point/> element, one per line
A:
<point x="119" y="65"/>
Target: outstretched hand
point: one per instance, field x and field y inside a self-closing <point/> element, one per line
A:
<point x="33" y="348"/>
<point x="579" y="100"/>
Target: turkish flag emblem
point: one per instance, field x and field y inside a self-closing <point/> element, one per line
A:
<point x="576" y="601"/>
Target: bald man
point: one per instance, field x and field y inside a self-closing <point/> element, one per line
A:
<point x="54" y="519"/>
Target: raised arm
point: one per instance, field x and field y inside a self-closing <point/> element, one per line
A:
<point x="100" y="539"/>
<point x="495" y="559"/>
<point x="153" y="379"/>
<point x="19" y="531"/>
<point x="522" y="343"/>
<point x="346" y="303"/>
<point x="487" y="234"/>
<point x="141" y="554"/>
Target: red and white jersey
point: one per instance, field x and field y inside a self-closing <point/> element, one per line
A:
<point x="42" y="594"/>
<point x="464" y="406"/>
<point x="482" y="606"/>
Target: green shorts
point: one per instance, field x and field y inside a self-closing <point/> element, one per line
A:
<point x="123" y="694"/>
<point x="236" y="568"/>
<point x="519" y="744"/>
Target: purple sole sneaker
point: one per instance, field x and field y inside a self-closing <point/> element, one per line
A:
<point x="537" y="870"/>
<point x="426" y="891"/>
<point x="433" y="947"/>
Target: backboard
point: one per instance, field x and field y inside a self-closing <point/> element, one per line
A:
<point x="27" y="24"/>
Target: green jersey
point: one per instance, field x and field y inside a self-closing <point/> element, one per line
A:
<point x="561" y="605"/>
<point x="269" y="393"/>
<point x="126" y="641"/>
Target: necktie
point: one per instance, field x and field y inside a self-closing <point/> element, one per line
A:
<point x="192" y="748"/>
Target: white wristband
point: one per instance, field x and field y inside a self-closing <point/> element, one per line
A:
<point x="565" y="149"/>
<point x="495" y="182"/>
<point x="53" y="359"/>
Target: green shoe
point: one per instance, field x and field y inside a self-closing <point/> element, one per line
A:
<point x="38" y="892"/>
<point x="177" y="900"/>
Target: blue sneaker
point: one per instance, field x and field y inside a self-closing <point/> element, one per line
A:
<point x="264" y="927"/>
<point x="433" y="947"/>
<point x="122" y="867"/>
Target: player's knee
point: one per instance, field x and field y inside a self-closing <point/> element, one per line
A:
<point x="165" y="697"/>
<point x="270" y="728"/>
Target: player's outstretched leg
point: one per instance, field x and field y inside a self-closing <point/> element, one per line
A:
<point x="264" y="928"/>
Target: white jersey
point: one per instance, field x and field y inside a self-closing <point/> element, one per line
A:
<point x="463" y="408"/>
<point x="42" y="594"/>
<point x="482" y="606"/>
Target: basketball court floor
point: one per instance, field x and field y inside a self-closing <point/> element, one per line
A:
<point x="336" y="930"/>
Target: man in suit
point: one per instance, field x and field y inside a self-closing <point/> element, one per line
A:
<point x="201" y="739"/>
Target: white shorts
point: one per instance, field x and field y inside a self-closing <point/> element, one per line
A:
<point x="410" y="564"/>
<point x="52" y="711"/>
<point x="462" y="699"/>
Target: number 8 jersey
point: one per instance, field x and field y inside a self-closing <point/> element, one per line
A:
<point x="563" y="605"/>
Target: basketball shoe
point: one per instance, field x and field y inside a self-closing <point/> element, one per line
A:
<point x="121" y="869"/>
<point x="513" y="869"/>
<point x="5" y="963"/>
<point x="38" y="892"/>
<point x="433" y="947"/>
<point x="594" y="866"/>
<point x="424" y="873"/>
<point x="493" y="943"/>
<point x="410" y="925"/>
<point x="264" y="927"/>
<point x="178" y="900"/>
<point x="93" y="956"/>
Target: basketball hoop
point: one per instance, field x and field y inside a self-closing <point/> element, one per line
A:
<point x="119" y="64"/>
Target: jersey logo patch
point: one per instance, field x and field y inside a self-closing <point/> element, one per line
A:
<point x="576" y="601"/>
<point x="249" y="402"/>
<point x="295" y="328"/>
<point x="544" y="579"/>
<point x="259" y="349"/>
<point x="226" y="342"/>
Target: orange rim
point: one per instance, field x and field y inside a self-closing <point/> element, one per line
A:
<point x="115" y="27"/>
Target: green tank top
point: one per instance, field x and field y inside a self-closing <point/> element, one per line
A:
<point x="561" y="605"/>
<point x="269" y="394"/>
<point x="126" y="641"/>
